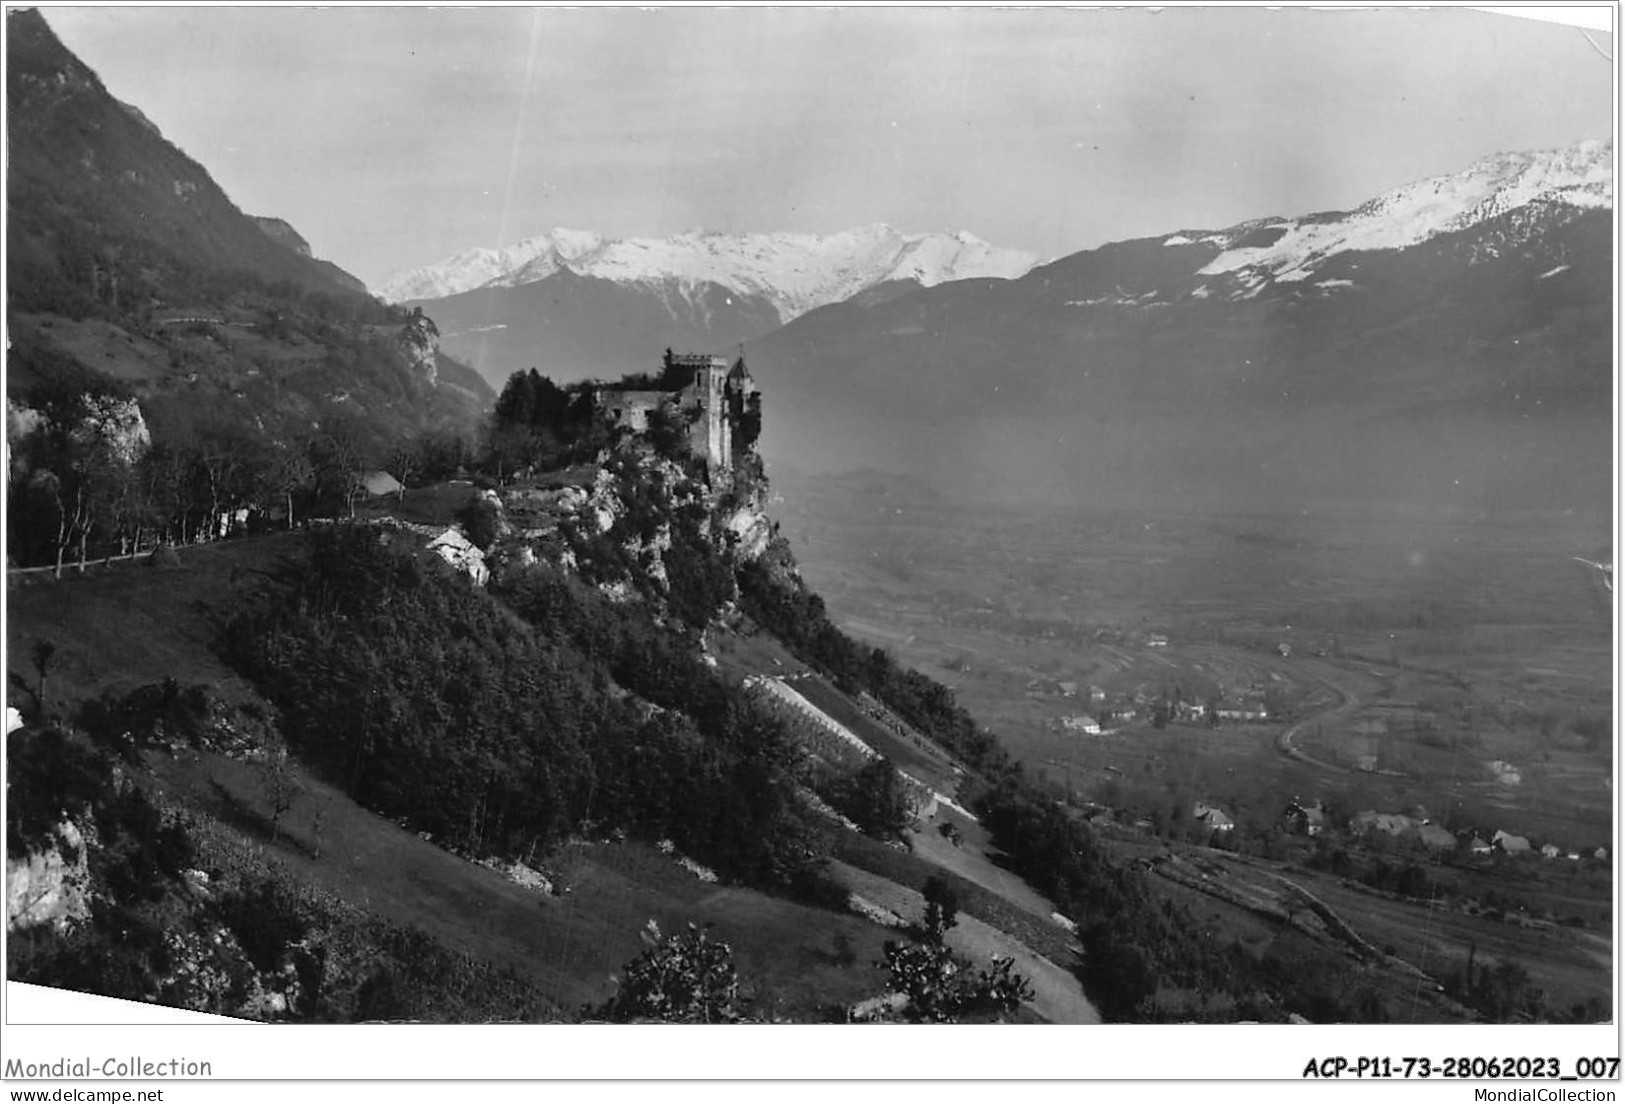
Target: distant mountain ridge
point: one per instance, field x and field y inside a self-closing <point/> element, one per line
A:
<point x="86" y="169"/>
<point x="130" y="271"/>
<point x="1448" y="341"/>
<point x="1579" y="177"/>
<point x="794" y="272"/>
<point x="576" y="305"/>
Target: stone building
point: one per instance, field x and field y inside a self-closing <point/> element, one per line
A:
<point x="630" y="409"/>
<point x="718" y="401"/>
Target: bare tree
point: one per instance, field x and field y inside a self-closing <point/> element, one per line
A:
<point x="281" y="787"/>
<point x="338" y="459"/>
<point x="403" y="465"/>
<point x="291" y="471"/>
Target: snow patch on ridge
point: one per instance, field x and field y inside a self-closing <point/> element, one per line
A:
<point x="1580" y="176"/>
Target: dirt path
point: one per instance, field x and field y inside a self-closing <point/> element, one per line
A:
<point x="1057" y="997"/>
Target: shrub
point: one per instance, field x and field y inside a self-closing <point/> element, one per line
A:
<point x="482" y="522"/>
<point x="942" y="987"/>
<point x="683" y="978"/>
<point x="874" y="798"/>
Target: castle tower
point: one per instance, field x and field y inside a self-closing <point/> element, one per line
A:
<point x="705" y="398"/>
<point x="744" y="400"/>
<point x="719" y="399"/>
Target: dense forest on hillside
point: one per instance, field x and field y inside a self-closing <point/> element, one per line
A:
<point x="176" y="369"/>
<point x="207" y="425"/>
<point x="429" y="701"/>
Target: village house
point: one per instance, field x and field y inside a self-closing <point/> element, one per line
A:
<point x="1190" y="712"/>
<point x="1307" y="820"/>
<point x="380" y="483"/>
<point x="1081" y="723"/>
<point x="1212" y="817"/>
<point x="1242" y="712"/>
<point x="1510" y="844"/>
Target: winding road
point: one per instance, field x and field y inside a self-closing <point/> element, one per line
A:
<point x="1348" y="704"/>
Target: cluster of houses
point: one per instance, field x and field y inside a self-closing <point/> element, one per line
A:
<point x="1245" y="707"/>
<point x="1066" y="689"/>
<point x="1242" y="709"/>
<point x="1311" y="820"/>
<point x="1508" y="844"/>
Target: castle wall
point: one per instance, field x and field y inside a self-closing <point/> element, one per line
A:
<point x="630" y="409"/>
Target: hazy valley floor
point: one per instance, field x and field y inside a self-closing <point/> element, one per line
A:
<point x="1448" y="669"/>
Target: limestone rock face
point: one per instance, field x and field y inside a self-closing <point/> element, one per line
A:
<point x="462" y="554"/>
<point x="605" y="502"/>
<point x="119" y="425"/>
<point x="278" y="230"/>
<point x="45" y="888"/>
<point x="749" y="530"/>
<point x="113" y="426"/>
<point x="420" y="340"/>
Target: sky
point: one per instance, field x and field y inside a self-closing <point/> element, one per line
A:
<point x="393" y="136"/>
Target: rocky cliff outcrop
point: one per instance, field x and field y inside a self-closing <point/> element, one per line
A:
<point x="280" y="230"/>
<point x="744" y="522"/>
<point x="644" y="525"/>
<point x="420" y="340"/>
<point x="49" y="887"/>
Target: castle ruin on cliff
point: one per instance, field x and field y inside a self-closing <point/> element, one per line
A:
<point x="719" y="404"/>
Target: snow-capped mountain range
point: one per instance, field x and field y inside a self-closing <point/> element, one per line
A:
<point x="577" y="304"/>
<point x="1449" y="341"/>
<point x="795" y="272"/>
<point x="1291" y="249"/>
